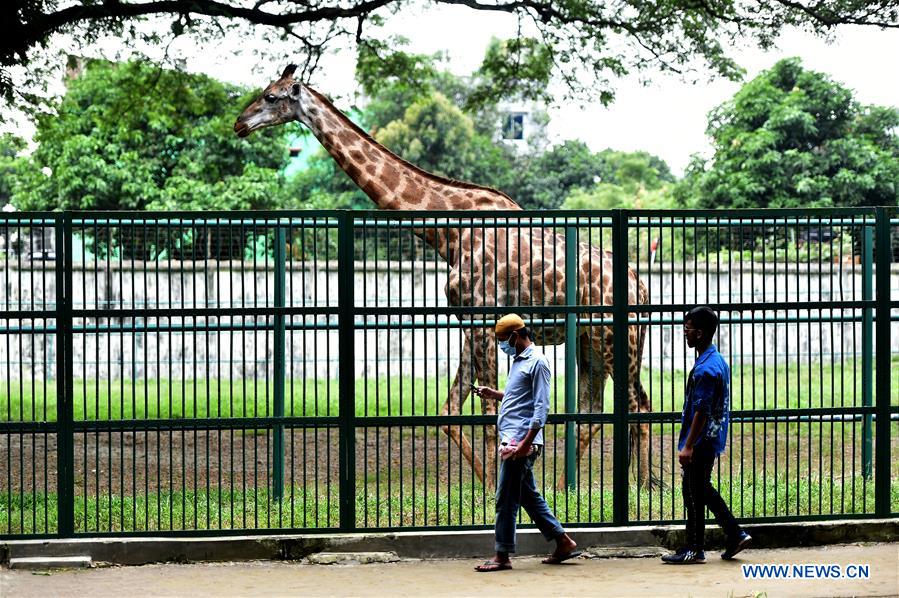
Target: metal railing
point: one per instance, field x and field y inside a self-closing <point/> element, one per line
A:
<point x="269" y="371"/>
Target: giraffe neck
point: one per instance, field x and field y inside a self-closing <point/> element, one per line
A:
<point x="391" y="182"/>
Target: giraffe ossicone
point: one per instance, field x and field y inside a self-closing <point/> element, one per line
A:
<point x="489" y="266"/>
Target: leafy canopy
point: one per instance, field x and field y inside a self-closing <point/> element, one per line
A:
<point x="134" y="136"/>
<point x="625" y="180"/>
<point x="583" y="43"/>
<point x="10" y="147"/>
<point x="442" y="123"/>
<point x="792" y="137"/>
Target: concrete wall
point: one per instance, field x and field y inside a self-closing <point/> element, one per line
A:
<point x="175" y="353"/>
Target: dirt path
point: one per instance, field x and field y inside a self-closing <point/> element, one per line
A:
<point x="584" y="577"/>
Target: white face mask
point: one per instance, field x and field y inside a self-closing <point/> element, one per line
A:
<point x="506" y="348"/>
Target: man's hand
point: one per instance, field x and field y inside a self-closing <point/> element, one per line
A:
<point x="522" y="450"/>
<point x="685" y="456"/>
<point x="491" y="394"/>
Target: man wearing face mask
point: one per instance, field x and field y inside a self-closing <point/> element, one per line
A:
<point x="522" y="415"/>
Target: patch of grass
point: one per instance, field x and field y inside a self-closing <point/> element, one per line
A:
<point x="422" y="504"/>
<point x="785" y="386"/>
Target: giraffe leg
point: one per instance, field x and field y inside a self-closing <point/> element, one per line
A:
<point x="638" y="402"/>
<point x="484" y="351"/>
<point x="655" y="479"/>
<point x="592" y="376"/>
<point x="458" y="394"/>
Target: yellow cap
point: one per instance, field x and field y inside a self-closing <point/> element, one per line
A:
<point x="509" y="323"/>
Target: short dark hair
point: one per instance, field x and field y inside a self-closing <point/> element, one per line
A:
<point x="704" y="319"/>
<point x="525" y="332"/>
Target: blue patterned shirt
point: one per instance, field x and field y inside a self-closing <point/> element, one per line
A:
<point x="708" y="392"/>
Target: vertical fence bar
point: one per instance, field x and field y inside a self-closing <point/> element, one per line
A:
<point x="65" y="409"/>
<point x="278" y="373"/>
<point x="620" y="375"/>
<point x="882" y="472"/>
<point x="867" y="346"/>
<point x="346" y="371"/>
<point x="570" y="354"/>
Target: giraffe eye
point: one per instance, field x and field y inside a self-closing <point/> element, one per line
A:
<point x="270" y="98"/>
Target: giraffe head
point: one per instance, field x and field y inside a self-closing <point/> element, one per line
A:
<point x="281" y="102"/>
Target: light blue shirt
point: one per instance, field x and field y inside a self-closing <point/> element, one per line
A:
<point x="525" y="404"/>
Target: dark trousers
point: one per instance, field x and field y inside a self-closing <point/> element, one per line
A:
<point x="516" y="488"/>
<point x="699" y="494"/>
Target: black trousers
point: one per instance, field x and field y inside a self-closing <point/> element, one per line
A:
<point x="699" y="494"/>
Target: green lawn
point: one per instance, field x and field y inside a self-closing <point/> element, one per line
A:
<point x="784" y="386"/>
<point x="420" y="505"/>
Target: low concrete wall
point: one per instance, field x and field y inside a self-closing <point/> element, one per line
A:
<point x="439" y="544"/>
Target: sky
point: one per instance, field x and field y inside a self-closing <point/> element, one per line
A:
<point x="667" y="118"/>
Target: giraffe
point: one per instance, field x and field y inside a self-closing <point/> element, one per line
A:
<point x="488" y="266"/>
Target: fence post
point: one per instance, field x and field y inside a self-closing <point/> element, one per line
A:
<point x="346" y="371"/>
<point x="278" y="429"/>
<point x="867" y="347"/>
<point x="571" y="275"/>
<point x="64" y="384"/>
<point x="882" y="411"/>
<point x="620" y="375"/>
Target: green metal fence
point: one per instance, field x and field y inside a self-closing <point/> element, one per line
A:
<point x="206" y="373"/>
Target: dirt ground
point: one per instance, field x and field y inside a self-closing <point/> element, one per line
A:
<point x="583" y="577"/>
<point x="136" y="462"/>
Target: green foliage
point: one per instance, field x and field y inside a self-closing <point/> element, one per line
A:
<point x="379" y="68"/>
<point x="794" y="138"/>
<point x="133" y="136"/>
<point x="625" y="180"/>
<point x="520" y="67"/>
<point x="547" y="178"/>
<point x="634" y="168"/>
<point x="448" y="125"/>
<point x="583" y="44"/>
<point x="10" y="164"/>
<point x="437" y="136"/>
<point x="419" y="119"/>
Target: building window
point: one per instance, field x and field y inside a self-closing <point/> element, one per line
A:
<point x="513" y="125"/>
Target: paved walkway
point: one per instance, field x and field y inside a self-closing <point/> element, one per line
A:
<point x="583" y="577"/>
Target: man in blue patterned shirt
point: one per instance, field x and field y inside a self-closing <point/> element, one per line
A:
<point x="522" y="415"/>
<point x="703" y="436"/>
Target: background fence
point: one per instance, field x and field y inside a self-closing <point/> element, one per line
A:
<point x="291" y="370"/>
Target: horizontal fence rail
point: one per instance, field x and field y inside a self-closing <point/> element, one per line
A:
<point x="208" y="373"/>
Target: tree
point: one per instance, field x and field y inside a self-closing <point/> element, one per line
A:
<point x="425" y="119"/>
<point x="633" y="168"/>
<point x="437" y="136"/>
<point x="582" y="42"/>
<point x="548" y="177"/>
<point x="792" y="137"/>
<point x="10" y="147"/>
<point x="625" y="180"/>
<point x="134" y="136"/>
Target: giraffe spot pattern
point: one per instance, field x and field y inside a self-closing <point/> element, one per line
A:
<point x="390" y="177"/>
<point x="347" y="136"/>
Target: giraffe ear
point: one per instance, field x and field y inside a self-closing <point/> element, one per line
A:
<point x="295" y="91"/>
<point x="289" y="70"/>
